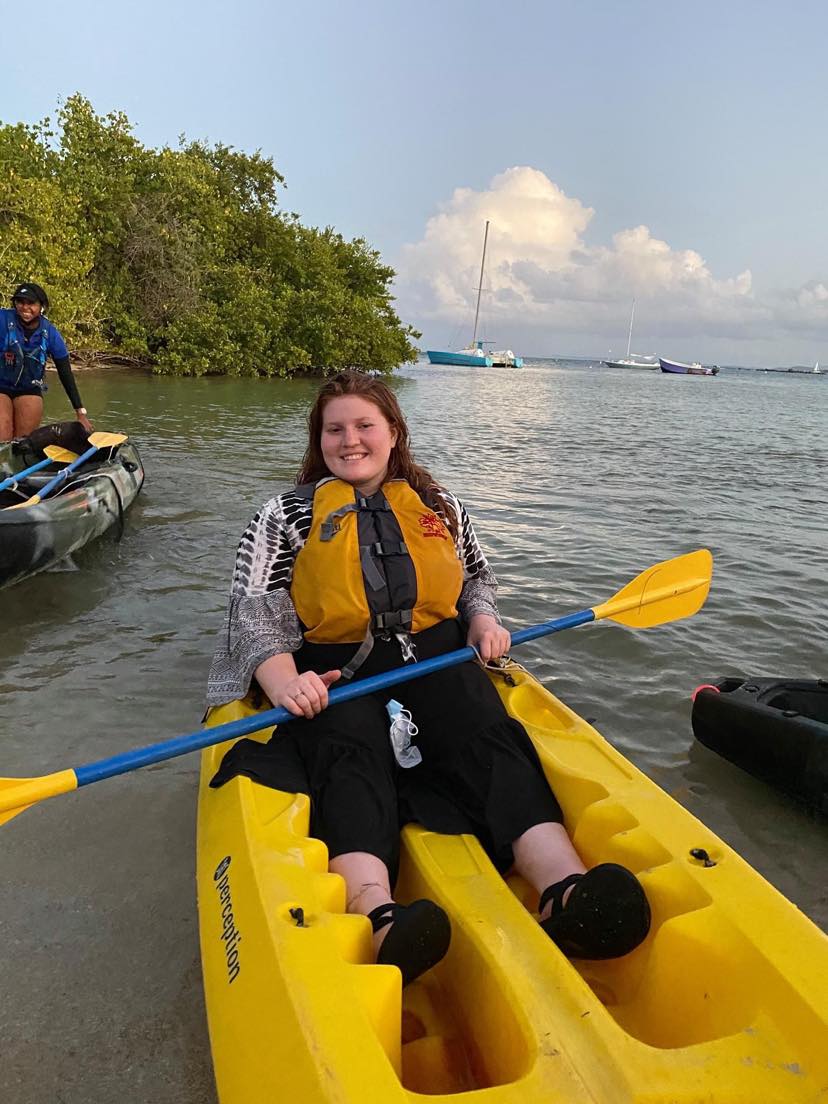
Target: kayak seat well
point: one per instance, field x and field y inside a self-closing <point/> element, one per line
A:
<point x="419" y="1037"/>
<point x="677" y="989"/>
<point x="807" y="701"/>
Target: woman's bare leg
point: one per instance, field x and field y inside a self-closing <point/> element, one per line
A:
<point x="28" y="410"/>
<point x="6" y="418"/>
<point x="367" y="885"/>
<point x="544" y="855"/>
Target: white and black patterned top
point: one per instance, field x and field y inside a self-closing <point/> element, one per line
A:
<point x="261" y="620"/>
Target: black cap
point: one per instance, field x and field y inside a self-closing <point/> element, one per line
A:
<point x="31" y="293"/>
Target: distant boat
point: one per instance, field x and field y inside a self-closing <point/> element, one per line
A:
<point x="633" y="360"/>
<point x="474" y="354"/>
<point x="505" y="358"/>
<point x="677" y="368"/>
<point x="474" y="357"/>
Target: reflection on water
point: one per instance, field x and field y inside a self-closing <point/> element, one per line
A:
<point x="577" y="478"/>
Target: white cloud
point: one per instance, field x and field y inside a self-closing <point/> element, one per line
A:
<point x="542" y="278"/>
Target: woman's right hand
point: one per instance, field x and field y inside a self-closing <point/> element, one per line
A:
<point x="305" y="695"/>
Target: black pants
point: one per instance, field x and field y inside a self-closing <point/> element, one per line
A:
<point x="480" y="772"/>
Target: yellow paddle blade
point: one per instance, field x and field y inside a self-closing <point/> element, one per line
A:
<point x="106" y="440"/>
<point x="62" y="455"/>
<point x="33" y="501"/>
<point x="664" y="592"/>
<point x="17" y="794"/>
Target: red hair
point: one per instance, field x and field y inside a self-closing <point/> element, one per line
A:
<point x="401" y="463"/>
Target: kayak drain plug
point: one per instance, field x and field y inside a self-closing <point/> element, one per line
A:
<point x="700" y="854"/>
<point x="298" y="915"/>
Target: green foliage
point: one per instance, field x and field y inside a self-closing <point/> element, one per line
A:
<point x="181" y="259"/>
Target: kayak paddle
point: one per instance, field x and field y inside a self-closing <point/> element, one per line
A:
<point x="53" y="453"/>
<point x="97" y="441"/>
<point x="665" y="592"/>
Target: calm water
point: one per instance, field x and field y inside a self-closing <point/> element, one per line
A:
<point x="577" y="478"/>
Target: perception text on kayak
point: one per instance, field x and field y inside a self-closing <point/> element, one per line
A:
<point x="229" y="934"/>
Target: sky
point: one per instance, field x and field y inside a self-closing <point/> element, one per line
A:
<point x="665" y="152"/>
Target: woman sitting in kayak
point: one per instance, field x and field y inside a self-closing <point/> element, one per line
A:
<point x="28" y="339"/>
<point x="367" y="564"/>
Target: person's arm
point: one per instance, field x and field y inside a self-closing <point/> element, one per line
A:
<point x="477" y="604"/>
<point x="64" y="371"/>
<point x="304" y="695"/>
<point x="60" y="355"/>
<point x="261" y="627"/>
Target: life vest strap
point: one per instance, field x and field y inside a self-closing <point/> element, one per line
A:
<point x="371" y="573"/>
<point x="370" y="553"/>
<point x="407" y="647"/>
<point x="330" y="526"/>
<point x="382" y="622"/>
<point x="388" y="548"/>
<point x="359" y="656"/>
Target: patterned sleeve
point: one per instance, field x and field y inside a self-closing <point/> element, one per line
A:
<point x="261" y="620"/>
<point x="479" y="593"/>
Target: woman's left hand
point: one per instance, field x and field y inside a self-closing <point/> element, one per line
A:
<point x="487" y="637"/>
<point x="84" y="421"/>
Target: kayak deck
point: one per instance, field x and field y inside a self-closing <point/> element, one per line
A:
<point x="723" y="1003"/>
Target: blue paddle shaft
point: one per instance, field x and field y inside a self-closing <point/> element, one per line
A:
<point x="59" y="478"/>
<point x="26" y="471"/>
<point x="206" y="737"/>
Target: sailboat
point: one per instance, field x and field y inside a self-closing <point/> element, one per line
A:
<point x="633" y="360"/>
<point x="474" y="354"/>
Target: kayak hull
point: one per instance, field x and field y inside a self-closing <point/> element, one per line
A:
<point x="722" y="1004"/>
<point x="94" y="500"/>
<point x="776" y="729"/>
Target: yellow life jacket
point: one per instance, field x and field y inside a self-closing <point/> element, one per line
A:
<point x="383" y="564"/>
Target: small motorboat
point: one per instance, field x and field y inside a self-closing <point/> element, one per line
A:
<point x="93" y="499"/>
<point x="776" y="729"/>
<point x="724" y="1002"/>
<point x="679" y="368"/>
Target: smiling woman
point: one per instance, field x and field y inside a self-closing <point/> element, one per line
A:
<point x="28" y="340"/>
<point x="367" y="561"/>
<point x="357" y="440"/>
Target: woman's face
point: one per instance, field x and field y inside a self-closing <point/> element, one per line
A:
<point x="27" y="312"/>
<point x="357" y="440"/>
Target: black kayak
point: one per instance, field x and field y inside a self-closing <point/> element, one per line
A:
<point x="777" y="729"/>
<point x="94" y="498"/>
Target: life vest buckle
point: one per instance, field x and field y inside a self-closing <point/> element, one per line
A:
<point x="392" y="619"/>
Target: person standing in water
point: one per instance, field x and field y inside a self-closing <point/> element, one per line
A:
<point x="366" y="564"/>
<point x="27" y="340"/>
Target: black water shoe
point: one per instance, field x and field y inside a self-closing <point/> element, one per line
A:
<point x="419" y="936"/>
<point x="605" y="916"/>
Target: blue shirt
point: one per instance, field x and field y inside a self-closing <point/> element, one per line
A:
<point x="56" y="346"/>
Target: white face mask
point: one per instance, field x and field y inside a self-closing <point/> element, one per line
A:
<point x="401" y="731"/>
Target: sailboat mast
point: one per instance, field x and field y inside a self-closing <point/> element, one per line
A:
<point x="629" y="335"/>
<point x="480" y="284"/>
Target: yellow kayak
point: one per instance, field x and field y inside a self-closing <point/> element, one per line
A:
<point x="726" y="1002"/>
